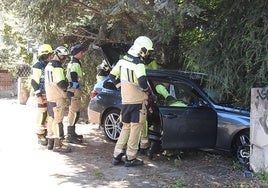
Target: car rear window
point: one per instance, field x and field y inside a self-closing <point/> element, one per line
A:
<point x="109" y="85"/>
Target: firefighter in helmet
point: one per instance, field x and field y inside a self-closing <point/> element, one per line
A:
<point x="56" y="87"/>
<point x="130" y="69"/>
<point x="45" y="54"/>
<point x="103" y="71"/>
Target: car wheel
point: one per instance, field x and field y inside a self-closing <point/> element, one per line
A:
<point x="112" y="125"/>
<point x="242" y="148"/>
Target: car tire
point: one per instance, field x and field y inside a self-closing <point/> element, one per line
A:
<point x="112" y="125"/>
<point x="241" y="148"/>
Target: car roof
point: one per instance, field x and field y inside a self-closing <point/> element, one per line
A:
<point x="166" y="73"/>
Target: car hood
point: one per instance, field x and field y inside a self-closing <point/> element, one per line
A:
<point x="233" y="110"/>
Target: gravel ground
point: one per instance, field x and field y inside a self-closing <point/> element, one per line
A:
<point x="24" y="163"/>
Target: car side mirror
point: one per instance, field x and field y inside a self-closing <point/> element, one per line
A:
<point x="200" y="103"/>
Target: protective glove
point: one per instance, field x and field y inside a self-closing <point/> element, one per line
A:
<point x="75" y="85"/>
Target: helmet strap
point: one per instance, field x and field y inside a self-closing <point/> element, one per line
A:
<point x="58" y="56"/>
<point x="61" y="59"/>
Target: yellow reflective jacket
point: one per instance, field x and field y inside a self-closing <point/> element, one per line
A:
<point x="55" y="82"/>
<point x="74" y="71"/>
<point x="129" y="71"/>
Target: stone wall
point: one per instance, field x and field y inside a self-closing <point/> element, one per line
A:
<point x="8" y="84"/>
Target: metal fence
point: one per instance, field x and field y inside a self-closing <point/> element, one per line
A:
<point x="24" y="70"/>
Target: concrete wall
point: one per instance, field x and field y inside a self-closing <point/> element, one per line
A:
<point x="259" y="129"/>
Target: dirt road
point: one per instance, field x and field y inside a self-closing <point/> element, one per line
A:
<point x="24" y="163"/>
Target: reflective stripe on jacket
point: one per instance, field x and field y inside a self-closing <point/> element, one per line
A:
<point x="38" y="77"/>
<point x="55" y="82"/>
<point x="129" y="73"/>
<point x="74" y="71"/>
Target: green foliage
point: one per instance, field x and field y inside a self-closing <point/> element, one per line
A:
<point x="225" y="38"/>
<point x="262" y="175"/>
<point x="179" y="183"/>
<point x="237" y="51"/>
<point x="89" y="64"/>
<point x="14" y="49"/>
<point x="237" y="166"/>
<point x="98" y="173"/>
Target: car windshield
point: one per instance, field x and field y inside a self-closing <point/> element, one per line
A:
<point x="213" y="87"/>
<point x="216" y="90"/>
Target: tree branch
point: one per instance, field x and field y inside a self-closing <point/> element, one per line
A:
<point x="89" y="8"/>
<point x="94" y="38"/>
<point x="126" y="18"/>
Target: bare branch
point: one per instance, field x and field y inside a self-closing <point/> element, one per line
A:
<point x="89" y="8"/>
<point x="93" y="38"/>
<point x="126" y="18"/>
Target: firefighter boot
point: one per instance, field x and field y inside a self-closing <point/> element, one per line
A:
<point x="77" y="135"/>
<point x="133" y="162"/>
<point x="143" y="151"/>
<point x="50" y="143"/>
<point x="42" y="139"/>
<point x="71" y="136"/>
<point x="60" y="147"/>
<point x="117" y="160"/>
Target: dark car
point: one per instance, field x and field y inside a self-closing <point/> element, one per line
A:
<point x="207" y="120"/>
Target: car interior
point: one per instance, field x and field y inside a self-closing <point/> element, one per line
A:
<point x="178" y="91"/>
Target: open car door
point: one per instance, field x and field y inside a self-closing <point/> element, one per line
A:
<point x="187" y="119"/>
<point x="188" y="127"/>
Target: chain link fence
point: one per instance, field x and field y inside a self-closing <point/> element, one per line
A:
<point x="24" y="70"/>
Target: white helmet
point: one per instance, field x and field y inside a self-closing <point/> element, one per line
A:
<point x="104" y="66"/>
<point x="142" y="45"/>
<point x="61" y="50"/>
<point x="144" y="42"/>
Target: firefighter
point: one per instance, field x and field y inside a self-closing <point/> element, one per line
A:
<point x="169" y="99"/>
<point x="152" y="65"/>
<point x="45" y="54"/>
<point x="56" y="87"/>
<point x="103" y="71"/>
<point x="75" y="77"/>
<point x="130" y="72"/>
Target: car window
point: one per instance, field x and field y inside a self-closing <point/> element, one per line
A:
<point x="188" y="94"/>
<point x="176" y="94"/>
<point x="216" y="91"/>
<point x="205" y="89"/>
<point x="108" y="84"/>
